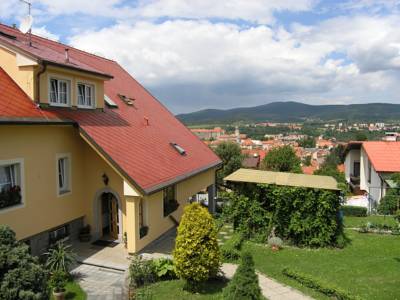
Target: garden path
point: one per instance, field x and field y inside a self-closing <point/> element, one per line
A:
<point x="101" y="283"/>
<point x="270" y="288"/>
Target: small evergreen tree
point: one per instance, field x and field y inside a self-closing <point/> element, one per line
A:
<point x="196" y="254"/>
<point x="244" y="284"/>
<point x="21" y="275"/>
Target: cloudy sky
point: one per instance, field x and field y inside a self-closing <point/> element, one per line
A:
<point x="195" y="54"/>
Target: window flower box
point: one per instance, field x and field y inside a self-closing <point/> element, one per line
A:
<point x="10" y="197"/>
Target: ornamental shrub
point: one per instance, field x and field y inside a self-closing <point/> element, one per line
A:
<point x="21" y="275"/>
<point x="389" y="204"/>
<point x="244" y="284"/>
<point x="141" y="272"/>
<point x="60" y="258"/>
<point x="354" y="211"/>
<point x="196" y="254"/>
<point x="231" y="248"/>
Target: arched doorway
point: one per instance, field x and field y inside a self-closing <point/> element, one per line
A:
<point x="108" y="217"/>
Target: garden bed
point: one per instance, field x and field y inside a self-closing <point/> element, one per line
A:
<point x="368" y="267"/>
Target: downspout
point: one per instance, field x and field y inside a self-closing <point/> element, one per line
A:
<point x="43" y="67"/>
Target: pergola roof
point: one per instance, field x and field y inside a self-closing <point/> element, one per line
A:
<point x="284" y="179"/>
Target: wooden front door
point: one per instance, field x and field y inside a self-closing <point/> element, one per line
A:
<point x="113" y="218"/>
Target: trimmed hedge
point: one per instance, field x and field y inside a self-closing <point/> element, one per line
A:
<point x="354" y="211"/>
<point x="318" y="285"/>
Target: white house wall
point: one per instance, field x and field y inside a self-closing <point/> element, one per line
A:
<point x="374" y="188"/>
<point x="351" y="157"/>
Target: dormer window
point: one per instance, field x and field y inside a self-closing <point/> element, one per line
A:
<point x="85" y="95"/>
<point x="60" y="92"/>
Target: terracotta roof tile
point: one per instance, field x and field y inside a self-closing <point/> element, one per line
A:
<point x="384" y="156"/>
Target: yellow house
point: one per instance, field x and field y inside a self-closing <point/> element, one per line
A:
<point x="83" y="143"/>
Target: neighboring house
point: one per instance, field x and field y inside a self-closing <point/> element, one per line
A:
<point x="82" y="142"/>
<point x="369" y="165"/>
<point x="208" y="134"/>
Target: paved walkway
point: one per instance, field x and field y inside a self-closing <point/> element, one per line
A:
<point x="100" y="283"/>
<point x="271" y="289"/>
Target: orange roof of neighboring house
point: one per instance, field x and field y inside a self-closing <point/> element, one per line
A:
<point x="309" y="170"/>
<point x="324" y="143"/>
<point x="247" y="142"/>
<point x="384" y="156"/>
<point x="341" y="168"/>
<point x="142" y="152"/>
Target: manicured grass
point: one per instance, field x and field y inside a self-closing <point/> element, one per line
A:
<point x="173" y="289"/>
<point x="73" y="292"/>
<point x="369" y="267"/>
<point x="356" y="222"/>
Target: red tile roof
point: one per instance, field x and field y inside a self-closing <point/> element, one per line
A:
<point x="142" y="152"/>
<point x="384" y="156"/>
<point x="16" y="105"/>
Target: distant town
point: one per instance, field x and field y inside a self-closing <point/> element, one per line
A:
<point x="312" y="142"/>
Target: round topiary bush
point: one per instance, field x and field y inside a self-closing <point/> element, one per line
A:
<point x="196" y="254"/>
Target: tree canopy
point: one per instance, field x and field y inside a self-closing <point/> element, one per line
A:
<point x="231" y="156"/>
<point x="282" y="159"/>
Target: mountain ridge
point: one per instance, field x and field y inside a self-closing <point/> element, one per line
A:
<point x="291" y="111"/>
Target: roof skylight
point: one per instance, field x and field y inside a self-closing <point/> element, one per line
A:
<point x="178" y="148"/>
<point x="109" y="102"/>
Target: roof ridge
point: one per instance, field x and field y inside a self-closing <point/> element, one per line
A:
<point x="60" y="43"/>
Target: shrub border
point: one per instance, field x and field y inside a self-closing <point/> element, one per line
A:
<point x="318" y="285"/>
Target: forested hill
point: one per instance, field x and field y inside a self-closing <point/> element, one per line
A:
<point x="295" y="112"/>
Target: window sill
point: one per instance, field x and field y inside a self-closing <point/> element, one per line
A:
<point x="11" y="208"/>
<point x="64" y="193"/>
<point x="59" y="105"/>
<point x="86" y="107"/>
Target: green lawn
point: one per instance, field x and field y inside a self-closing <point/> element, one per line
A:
<point x="74" y="291"/>
<point x="353" y="222"/>
<point x="173" y="289"/>
<point x="368" y="267"/>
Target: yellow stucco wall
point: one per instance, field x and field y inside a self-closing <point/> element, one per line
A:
<point x="43" y="209"/>
<point x="153" y="207"/>
<point x="23" y="76"/>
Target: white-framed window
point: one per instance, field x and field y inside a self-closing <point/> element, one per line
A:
<point x="86" y="95"/>
<point x="59" y="92"/>
<point x="11" y="183"/>
<point x="63" y="174"/>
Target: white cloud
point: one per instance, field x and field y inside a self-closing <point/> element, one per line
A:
<point x="225" y="61"/>
<point x="43" y="32"/>
<point x="260" y="11"/>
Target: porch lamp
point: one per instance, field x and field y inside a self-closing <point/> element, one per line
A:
<point x="105" y="179"/>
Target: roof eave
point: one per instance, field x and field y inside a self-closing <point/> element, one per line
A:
<point x="103" y="75"/>
<point x="178" y="179"/>
<point x="33" y="121"/>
